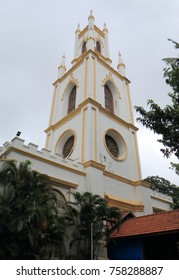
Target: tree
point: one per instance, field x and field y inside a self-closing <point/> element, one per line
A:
<point x="29" y="220"/>
<point x="165" y="122"/>
<point x="91" y="220"/>
<point x="164" y="186"/>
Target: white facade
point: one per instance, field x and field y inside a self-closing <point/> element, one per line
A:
<point x="91" y="146"/>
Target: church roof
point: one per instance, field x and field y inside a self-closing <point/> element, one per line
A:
<point x="165" y="222"/>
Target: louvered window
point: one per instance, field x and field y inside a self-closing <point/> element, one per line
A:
<point x="112" y="146"/>
<point x="98" y="47"/>
<point x="72" y="100"/>
<point x="67" y="148"/>
<point x="84" y="47"/>
<point x="108" y="99"/>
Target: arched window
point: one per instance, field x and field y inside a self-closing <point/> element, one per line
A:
<point x="67" y="148"/>
<point x="108" y="99"/>
<point x="72" y="100"/>
<point x="84" y="47"/>
<point x="98" y="46"/>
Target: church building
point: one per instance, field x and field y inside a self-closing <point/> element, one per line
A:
<point x="91" y="140"/>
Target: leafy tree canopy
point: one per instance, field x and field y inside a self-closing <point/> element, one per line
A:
<point x="165" y="122"/>
<point x="29" y="221"/>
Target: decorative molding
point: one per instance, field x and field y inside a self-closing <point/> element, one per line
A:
<point x="79" y="61"/>
<point x="62" y="182"/>
<point x="95" y="164"/>
<point x="83" y="31"/>
<point x="99" y="31"/>
<point x="64" y="120"/>
<point x="109" y="77"/>
<point x="123" y="179"/>
<point x="71" y="80"/>
<point x="97" y="105"/>
<point x="124" y="204"/>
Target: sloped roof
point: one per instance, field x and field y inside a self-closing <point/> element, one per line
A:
<point x="150" y="224"/>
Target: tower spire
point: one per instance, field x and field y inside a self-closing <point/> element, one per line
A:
<point x="121" y="66"/>
<point x="62" y="68"/>
<point x="91" y="21"/>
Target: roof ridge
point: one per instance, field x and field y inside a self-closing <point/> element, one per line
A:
<point x="159" y="213"/>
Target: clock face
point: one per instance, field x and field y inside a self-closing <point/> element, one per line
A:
<point x="68" y="146"/>
<point x="112" y="146"/>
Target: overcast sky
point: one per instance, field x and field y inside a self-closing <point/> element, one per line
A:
<point x="34" y="34"/>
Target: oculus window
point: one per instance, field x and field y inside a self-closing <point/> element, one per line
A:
<point x="112" y="146"/>
<point x="115" y="145"/>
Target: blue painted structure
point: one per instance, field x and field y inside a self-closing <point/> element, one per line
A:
<point x="125" y="249"/>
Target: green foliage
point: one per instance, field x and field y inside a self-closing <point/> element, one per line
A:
<point x="90" y="214"/>
<point x="29" y="221"/>
<point x="165" y="122"/>
<point x="164" y="186"/>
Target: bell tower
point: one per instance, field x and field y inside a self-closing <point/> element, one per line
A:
<point x="91" y="142"/>
<point x="91" y="117"/>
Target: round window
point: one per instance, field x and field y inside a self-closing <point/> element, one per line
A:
<point x="115" y="145"/>
<point x="112" y="146"/>
<point x="67" y="148"/>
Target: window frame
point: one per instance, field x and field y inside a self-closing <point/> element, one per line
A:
<point x="98" y="46"/>
<point x="108" y="96"/>
<point x="72" y="100"/>
<point x="84" y="47"/>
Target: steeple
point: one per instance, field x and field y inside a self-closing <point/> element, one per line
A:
<point x="121" y="66"/>
<point x="91" y="34"/>
<point x="105" y="30"/>
<point x="91" y="134"/>
<point x="77" y="32"/>
<point x="91" y="38"/>
<point x="62" y="68"/>
<point x="91" y="21"/>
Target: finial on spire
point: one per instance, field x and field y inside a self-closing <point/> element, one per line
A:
<point x="63" y="60"/>
<point x="78" y="28"/>
<point x="91" y="21"/>
<point x="121" y="66"/>
<point x="91" y="15"/>
<point x="105" y="27"/>
<point x="62" y="68"/>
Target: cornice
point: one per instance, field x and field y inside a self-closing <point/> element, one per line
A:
<point x="101" y="59"/>
<point x="99" y="31"/>
<point x="83" y="31"/>
<point x="62" y="182"/>
<point x="124" y="204"/>
<point x="95" y="28"/>
<point x="122" y="179"/>
<point x="101" y="109"/>
<point x="95" y="164"/>
<point x="67" y="118"/>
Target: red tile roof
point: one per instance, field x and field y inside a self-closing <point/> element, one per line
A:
<point x="150" y="224"/>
